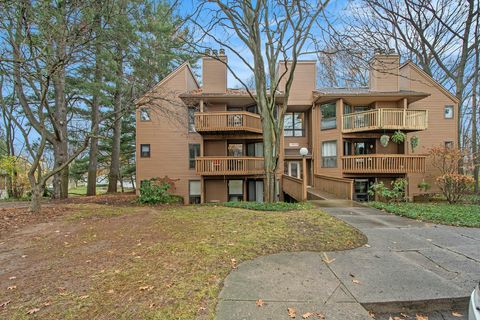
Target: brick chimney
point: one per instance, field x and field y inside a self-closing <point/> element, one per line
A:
<point x="214" y="72"/>
<point x="384" y="71"/>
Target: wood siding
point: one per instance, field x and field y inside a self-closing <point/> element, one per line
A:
<point x="340" y="187"/>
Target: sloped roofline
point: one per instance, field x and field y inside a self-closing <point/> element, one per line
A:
<point x="168" y="77"/>
<point x="429" y="78"/>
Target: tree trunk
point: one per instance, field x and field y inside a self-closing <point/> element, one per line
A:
<point x="93" y="153"/>
<point x="60" y="180"/>
<point x="270" y="154"/>
<point x="114" y="173"/>
<point x="36" y="203"/>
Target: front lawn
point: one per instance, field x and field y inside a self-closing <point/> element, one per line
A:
<point x="113" y="262"/>
<point x="467" y="215"/>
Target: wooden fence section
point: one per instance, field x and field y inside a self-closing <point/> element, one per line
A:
<point x="218" y="166"/>
<point x="383" y="163"/>
<point x="340" y="187"/>
<point x="294" y="187"/>
<point x="385" y="118"/>
<point x="228" y="121"/>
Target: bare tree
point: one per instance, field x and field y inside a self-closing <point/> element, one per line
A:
<point x="436" y="35"/>
<point x="270" y="32"/>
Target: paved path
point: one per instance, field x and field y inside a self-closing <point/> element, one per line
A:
<point x="436" y="266"/>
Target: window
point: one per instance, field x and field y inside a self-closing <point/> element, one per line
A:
<point x="193" y="151"/>
<point x="293" y="124"/>
<point x="448" y="144"/>
<point x="145" y="151"/>
<point x="235" y="190"/>
<point x="191" y="119"/>
<point x="448" y="112"/>
<point x="194" y="191"/>
<point x="329" y="116"/>
<point x="144" y="114"/>
<point x="235" y="150"/>
<point x="329" y="154"/>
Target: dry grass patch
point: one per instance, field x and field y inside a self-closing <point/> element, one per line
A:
<point x="149" y="263"/>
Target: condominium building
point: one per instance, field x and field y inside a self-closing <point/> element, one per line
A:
<point x="208" y="138"/>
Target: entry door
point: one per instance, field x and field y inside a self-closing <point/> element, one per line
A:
<point x="294" y="169"/>
<point x="255" y="190"/>
<point x="361" y="189"/>
<point x="255" y="149"/>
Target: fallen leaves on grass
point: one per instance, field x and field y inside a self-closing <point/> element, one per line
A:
<point x="4" y="304"/>
<point x="260" y="303"/>
<point x="11" y="287"/>
<point x="371" y="314"/>
<point x="420" y="317"/>
<point x="12" y="278"/>
<point x="32" y="311"/>
<point x="292" y="313"/>
<point x="233" y="262"/>
<point x="457" y="314"/>
<point x="146" y="288"/>
<point x="84" y="297"/>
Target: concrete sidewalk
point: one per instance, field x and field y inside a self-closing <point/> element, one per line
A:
<point x="407" y="264"/>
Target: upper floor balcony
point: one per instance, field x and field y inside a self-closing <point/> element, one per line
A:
<point x="385" y="119"/>
<point x="383" y="163"/>
<point x="224" y="166"/>
<point x="229" y="121"/>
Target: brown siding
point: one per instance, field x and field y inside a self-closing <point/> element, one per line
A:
<point x="214" y="75"/>
<point x="439" y="129"/>
<point x="168" y="138"/>
<point x="215" y="148"/>
<point x="303" y="84"/>
<point x="384" y="73"/>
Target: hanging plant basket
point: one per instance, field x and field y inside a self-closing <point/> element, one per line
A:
<point x="384" y="140"/>
<point x="414" y="142"/>
<point x="399" y="137"/>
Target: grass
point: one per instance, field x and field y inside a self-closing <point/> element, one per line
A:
<point x="263" y="206"/>
<point x="467" y="215"/>
<point x="82" y="190"/>
<point x="153" y="263"/>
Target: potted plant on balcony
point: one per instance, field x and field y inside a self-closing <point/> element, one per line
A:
<point x="414" y="143"/>
<point x="399" y="137"/>
<point x="384" y="139"/>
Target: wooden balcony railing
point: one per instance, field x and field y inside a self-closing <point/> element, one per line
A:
<point x="228" y="121"/>
<point x="383" y="163"/>
<point x="385" y="119"/>
<point x="219" y="166"/>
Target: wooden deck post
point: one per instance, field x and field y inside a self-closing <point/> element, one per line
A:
<point x="304" y="180"/>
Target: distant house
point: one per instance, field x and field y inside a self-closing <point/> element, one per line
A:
<point x="3" y="185"/>
<point x="218" y="154"/>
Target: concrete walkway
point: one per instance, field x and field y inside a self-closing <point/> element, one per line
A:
<point x="407" y="264"/>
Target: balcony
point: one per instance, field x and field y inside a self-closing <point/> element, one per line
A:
<point x="383" y="163"/>
<point x="224" y="166"/>
<point x="225" y="122"/>
<point x="385" y="119"/>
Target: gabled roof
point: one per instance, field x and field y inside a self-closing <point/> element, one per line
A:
<point x="326" y="94"/>
<point x="430" y="79"/>
<point x="186" y="64"/>
<point x="234" y="92"/>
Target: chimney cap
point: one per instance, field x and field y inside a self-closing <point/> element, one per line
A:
<point x="207" y="51"/>
<point x="215" y="52"/>
<point x="222" y="51"/>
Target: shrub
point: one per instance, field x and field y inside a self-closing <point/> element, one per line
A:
<point x="414" y="143"/>
<point x="264" y="206"/>
<point x="424" y="186"/>
<point x="156" y="191"/>
<point x="454" y="186"/>
<point x="394" y="194"/>
<point x="446" y="160"/>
